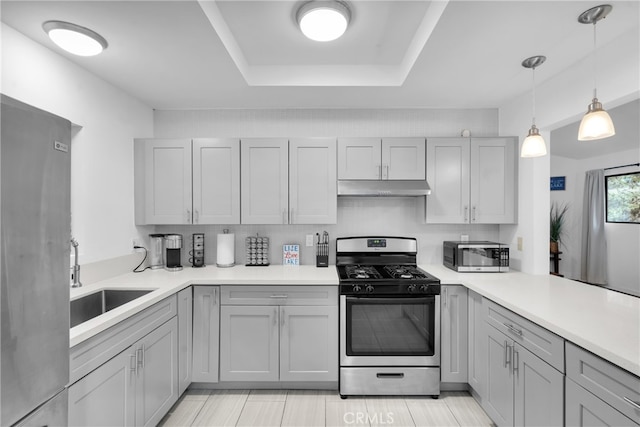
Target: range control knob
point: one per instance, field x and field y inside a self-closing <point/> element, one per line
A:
<point x="411" y="289"/>
<point x="424" y="288"/>
<point x="368" y="288"/>
<point x="356" y="288"/>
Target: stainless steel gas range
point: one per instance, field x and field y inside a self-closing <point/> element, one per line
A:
<point x="389" y="319"/>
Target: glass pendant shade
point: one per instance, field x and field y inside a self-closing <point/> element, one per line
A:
<point x="533" y="145"/>
<point x="322" y="20"/>
<point x="596" y="124"/>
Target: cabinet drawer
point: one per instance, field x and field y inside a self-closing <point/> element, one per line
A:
<point x="614" y="385"/>
<point x="90" y="354"/>
<point x="584" y="409"/>
<point x="538" y="340"/>
<point x="279" y="295"/>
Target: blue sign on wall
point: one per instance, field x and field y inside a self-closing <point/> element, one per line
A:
<point x="558" y="183"/>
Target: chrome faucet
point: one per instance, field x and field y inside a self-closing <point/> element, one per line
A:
<point x="75" y="276"/>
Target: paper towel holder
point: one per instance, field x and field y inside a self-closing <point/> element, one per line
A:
<point x="232" y="243"/>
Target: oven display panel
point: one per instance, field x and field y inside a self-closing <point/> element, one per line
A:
<point x="376" y="243"/>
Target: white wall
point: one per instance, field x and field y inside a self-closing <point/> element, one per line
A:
<point x="102" y="145"/>
<point x="560" y="100"/>
<point x="404" y="216"/>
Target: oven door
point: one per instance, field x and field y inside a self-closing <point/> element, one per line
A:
<point x="390" y="331"/>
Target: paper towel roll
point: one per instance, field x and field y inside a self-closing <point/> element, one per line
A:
<point x="226" y="250"/>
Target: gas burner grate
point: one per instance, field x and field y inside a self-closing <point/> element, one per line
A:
<point x="362" y="272"/>
<point x="404" y="272"/>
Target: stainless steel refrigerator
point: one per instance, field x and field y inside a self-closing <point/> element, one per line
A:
<point x="34" y="265"/>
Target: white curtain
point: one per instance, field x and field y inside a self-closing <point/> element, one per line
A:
<point x="594" y="244"/>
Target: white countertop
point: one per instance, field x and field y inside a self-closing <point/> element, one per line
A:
<point x="605" y="322"/>
<point x="165" y="283"/>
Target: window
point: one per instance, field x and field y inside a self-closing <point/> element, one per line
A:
<point x="623" y="198"/>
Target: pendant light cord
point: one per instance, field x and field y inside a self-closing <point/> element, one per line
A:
<point x="533" y="96"/>
<point x="595" y="62"/>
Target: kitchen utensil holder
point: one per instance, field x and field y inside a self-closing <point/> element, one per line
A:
<point x="257" y="251"/>
<point x="322" y="255"/>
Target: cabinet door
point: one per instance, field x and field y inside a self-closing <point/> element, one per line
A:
<point x="206" y="330"/>
<point x="454" y="337"/>
<point x="498" y="402"/>
<point x="185" y="338"/>
<point x="265" y="181"/>
<point x="167" y="181"/>
<point x="585" y="409"/>
<point x="157" y="377"/>
<point x="539" y="390"/>
<point x="477" y="352"/>
<point x="403" y="158"/>
<point x="309" y="343"/>
<point x="216" y="181"/>
<point x="249" y="343"/>
<point x="359" y="158"/>
<point x="106" y="396"/>
<point x="448" y="176"/>
<point x="313" y="194"/>
<point x="493" y="180"/>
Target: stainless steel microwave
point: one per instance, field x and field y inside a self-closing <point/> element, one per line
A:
<point x="475" y="256"/>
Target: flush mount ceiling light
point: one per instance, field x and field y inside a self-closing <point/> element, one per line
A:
<point x="533" y="145"/>
<point x="596" y="123"/>
<point x="74" y="38"/>
<point x="323" y="20"/>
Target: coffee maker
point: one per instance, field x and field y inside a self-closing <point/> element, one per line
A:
<point x="173" y="252"/>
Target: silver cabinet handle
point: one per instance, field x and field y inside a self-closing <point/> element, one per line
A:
<point x="379" y="171"/>
<point x="133" y="364"/>
<point x="386" y="172"/>
<point x="504" y="356"/>
<point x="473" y="214"/>
<point x="215" y="296"/>
<point x="275" y="316"/>
<point x="188" y="216"/>
<point x="513" y="329"/>
<point x="516" y="360"/>
<point x="140" y="357"/>
<point x="632" y="402"/>
<point x="466" y="213"/>
<point x="446" y="296"/>
<point x="282" y="317"/>
<point x="279" y="296"/>
<point x="508" y="352"/>
<point x="196" y="215"/>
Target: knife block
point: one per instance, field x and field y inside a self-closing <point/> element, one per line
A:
<point x="322" y="255"/>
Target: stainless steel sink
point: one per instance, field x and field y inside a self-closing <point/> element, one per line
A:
<point x="90" y="306"/>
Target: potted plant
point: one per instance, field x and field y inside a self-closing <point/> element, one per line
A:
<point x="557" y="221"/>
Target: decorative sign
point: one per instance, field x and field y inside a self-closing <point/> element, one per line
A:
<point x="558" y="183"/>
<point x="291" y="254"/>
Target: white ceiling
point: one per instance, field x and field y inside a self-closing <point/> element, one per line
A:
<point x="396" y="54"/>
<point x="225" y="54"/>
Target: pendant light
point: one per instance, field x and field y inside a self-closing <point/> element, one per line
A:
<point x="533" y="145"/>
<point x="596" y="123"/>
<point x="323" y="20"/>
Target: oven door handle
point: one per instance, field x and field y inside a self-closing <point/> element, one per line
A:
<point x="391" y="300"/>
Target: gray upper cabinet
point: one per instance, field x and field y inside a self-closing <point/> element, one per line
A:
<point x="265" y="181"/>
<point x="381" y="158"/>
<point x="472" y="180"/>
<point x="216" y="181"/>
<point x="184" y="181"/>
<point x="289" y="182"/>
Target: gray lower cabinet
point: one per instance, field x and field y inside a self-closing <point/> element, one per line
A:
<point x="521" y="387"/>
<point x="477" y="353"/>
<point x="185" y="338"/>
<point x="279" y="333"/>
<point x="598" y="392"/>
<point x="206" y="332"/>
<point x="135" y="388"/>
<point x="454" y="334"/>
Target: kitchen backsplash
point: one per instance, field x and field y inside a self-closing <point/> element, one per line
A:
<point x="357" y="216"/>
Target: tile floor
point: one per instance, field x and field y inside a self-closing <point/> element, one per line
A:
<point x="321" y="408"/>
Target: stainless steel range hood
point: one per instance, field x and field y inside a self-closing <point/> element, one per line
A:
<point x="384" y="188"/>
